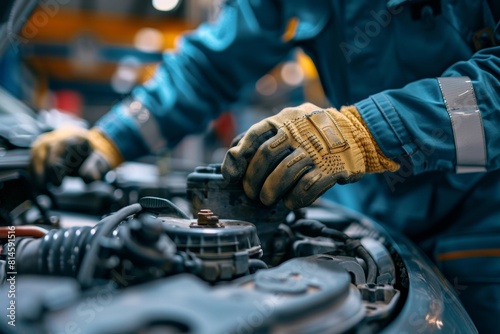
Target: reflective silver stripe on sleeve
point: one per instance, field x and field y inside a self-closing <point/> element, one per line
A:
<point x="467" y="124"/>
<point x="146" y="123"/>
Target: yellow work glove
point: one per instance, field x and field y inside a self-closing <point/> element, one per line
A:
<point x="72" y="151"/>
<point x="301" y="152"/>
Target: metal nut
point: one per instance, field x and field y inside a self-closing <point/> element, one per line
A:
<point x="207" y="217"/>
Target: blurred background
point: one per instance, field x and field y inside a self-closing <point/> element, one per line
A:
<point x="82" y="56"/>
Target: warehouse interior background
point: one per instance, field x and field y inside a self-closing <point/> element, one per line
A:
<point x="82" y="56"/>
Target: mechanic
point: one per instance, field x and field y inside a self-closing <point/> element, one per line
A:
<point x="420" y="86"/>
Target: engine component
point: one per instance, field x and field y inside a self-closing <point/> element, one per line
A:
<point x="300" y="296"/>
<point x="350" y="246"/>
<point x="139" y="270"/>
<point x="335" y="289"/>
<point x="381" y="256"/>
<point x="143" y="242"/>
<point x="225" y="246"/>
<point x="129" y="243"/>
<point x="206" y="188"/>
<point x="18" y="205"/>
<point x="62" y="252"/>
<point x="59" y="252"/>
<point x="379" y="299"/>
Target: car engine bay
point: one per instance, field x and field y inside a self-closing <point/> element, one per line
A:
<point x="230" y="265"/>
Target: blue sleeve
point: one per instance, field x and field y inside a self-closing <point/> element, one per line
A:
<point x="211" y="68"/>
<point x="413" y="121"/>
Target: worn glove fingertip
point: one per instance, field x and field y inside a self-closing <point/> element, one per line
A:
<point x="294" y="202"/>
<point x="232" y="169"/>
<point x="267" y="199"/>
<point x="290" y="203"/>
<point x="250" y="191"/>
<point x="269" y="194"/>
<point x="236" y="140"/>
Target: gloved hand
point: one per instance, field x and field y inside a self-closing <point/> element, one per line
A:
<point x="301" y="152"/>
<point x="72" y="151"/>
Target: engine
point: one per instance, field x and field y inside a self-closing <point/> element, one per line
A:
<point x="229" y="266"/>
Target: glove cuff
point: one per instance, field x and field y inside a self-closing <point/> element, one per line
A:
<point x="375" y="159"/>
<point x="106" y="147"/>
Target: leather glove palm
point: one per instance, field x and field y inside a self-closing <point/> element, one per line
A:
<point x="74" y="152"/>
<point x="301" y="152"/>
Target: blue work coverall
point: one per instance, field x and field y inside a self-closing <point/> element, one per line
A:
<point x="385" y="57"/>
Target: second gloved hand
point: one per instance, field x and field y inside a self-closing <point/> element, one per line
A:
<point x="74" y="152"/>
<point x="301" y="152"/>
